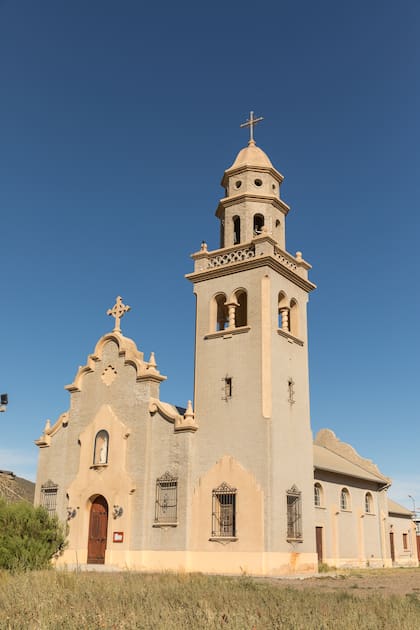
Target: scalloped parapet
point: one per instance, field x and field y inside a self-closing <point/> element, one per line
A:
<point x="328" y="439"/>
<point x="146" y="370"/>
<point x="49" y="431"/>
<point x="181" y="422"/>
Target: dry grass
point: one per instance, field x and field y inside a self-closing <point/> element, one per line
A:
<point x="53" y="599"/>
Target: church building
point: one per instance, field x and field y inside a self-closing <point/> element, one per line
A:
<point x="233" y="482"/>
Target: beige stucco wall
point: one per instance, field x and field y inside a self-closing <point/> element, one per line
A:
<point x="351" y="537"/>
<point x="257" y="426"/>
<point x="400" y="524"/>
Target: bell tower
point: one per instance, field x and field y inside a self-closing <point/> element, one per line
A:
<point x="251" y="364"/>
<point x="252" y="197"/>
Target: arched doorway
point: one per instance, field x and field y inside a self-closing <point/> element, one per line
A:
<point x="98" y="527"/>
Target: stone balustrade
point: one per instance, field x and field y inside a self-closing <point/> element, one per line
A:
<point x="262" y="245"/>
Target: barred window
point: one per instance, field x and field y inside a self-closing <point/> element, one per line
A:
<point x="49" y="492"/>
<point x="224" y="512"/>
<point x="294" y="514"/>
<point x="166" y="499"/>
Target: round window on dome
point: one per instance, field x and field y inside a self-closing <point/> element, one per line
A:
<point x="238" y="184"/>
<point x="257" y="182"/>
<point x="273" y="186"/>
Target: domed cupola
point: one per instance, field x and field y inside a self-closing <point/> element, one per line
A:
<point x="252" y="196"/>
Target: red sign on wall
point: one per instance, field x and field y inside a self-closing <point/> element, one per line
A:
<point x="117" y="536"/>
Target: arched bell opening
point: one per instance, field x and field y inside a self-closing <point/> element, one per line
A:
<point x="294" y="318"/>
<point x="236" y="230"/>
<point x="258" y="224"/>
<point x="241" y="315"/>
<point x="219" y="312"/>
<point x="283" y="312"/>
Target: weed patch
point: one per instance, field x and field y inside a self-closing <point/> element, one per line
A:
<point x="55" y="599"/>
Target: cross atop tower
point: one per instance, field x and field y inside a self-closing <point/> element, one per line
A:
<point x="251" y="124"/>
<point x="118" y="310"/>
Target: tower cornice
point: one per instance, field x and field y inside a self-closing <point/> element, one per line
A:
<point x="261" y="252"/>
<point x="226" y="202"/>
<point x="255" y="169"/>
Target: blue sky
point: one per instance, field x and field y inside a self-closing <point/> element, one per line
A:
<point x="117" y="121"/>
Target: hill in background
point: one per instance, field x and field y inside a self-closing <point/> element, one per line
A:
<point x="13" y="488"/>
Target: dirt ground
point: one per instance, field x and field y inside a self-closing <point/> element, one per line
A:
<point x="363" y="581"/>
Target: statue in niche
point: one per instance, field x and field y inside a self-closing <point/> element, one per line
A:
<point x="101" y="448"/>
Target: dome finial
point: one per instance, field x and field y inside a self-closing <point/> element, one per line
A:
<point x="251" y="123"/>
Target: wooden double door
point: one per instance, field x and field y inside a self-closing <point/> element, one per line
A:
<point x="98" y="528"/>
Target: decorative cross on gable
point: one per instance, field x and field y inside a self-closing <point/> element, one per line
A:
<point x="118" y="310"/>
<point x="251" y="124"/>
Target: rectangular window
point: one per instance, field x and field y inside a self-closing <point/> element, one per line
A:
<point x="228" y="387"/>
<point x="405" y="542"/>
<point x="291" y="388"/>
<point x="224" y="512"/>
<point x="166" y="499"/>
<point x="49" y="493"/>
<point x="294" y="514"/>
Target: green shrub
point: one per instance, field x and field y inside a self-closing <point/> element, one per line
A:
<point x="29" y="537"/>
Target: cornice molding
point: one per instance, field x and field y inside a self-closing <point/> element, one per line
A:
<point x="227" y="332"/>
<point x="289" y="337"/>
<point x="181" y="423"/>
<point x="49" y="431"/>
<point x="225" y="202"/>
<point x="248" y="168"/>
<point x="252" y="263"/>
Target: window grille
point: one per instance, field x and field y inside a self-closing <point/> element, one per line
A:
<point x="49" y="492"/>
<point x="224" y="512"/>
<point x="166" y="499"/>
<point x="294" y="514"/>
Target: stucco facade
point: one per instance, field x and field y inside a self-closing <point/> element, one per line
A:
<point x="225" y="484"/>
